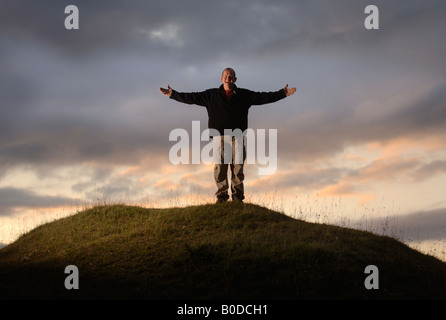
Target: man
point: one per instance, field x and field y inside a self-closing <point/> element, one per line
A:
<point x="228" y="108"/>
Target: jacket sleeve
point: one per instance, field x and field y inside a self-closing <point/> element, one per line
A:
<point x="259" y="98"/>
<point x="198" y="98"/>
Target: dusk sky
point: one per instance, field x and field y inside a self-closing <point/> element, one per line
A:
<point x="363" y="140"/>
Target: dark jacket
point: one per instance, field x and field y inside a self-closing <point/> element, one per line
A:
<point x="228" y="114"/>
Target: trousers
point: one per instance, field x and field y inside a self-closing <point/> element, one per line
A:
<point x="235" y="164"/>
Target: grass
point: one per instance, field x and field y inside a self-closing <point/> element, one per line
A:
<point x="225" y="251"/>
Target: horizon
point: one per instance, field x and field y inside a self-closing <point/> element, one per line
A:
<point x="82" y="119"/>
<point x="312" y="209"/>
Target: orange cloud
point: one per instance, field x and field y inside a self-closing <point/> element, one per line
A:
<point x="167" y="184"/>
<point x="403" y="145"/>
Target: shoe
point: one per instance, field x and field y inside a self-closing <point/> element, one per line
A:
<point x="221" y="200"/>
<point x="238" y="200"/>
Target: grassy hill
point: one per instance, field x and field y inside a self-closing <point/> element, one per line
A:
<point x="224" y="251"/>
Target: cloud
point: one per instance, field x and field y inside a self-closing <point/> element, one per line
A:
<point x="325" y="131"/>
<point x="385" y="169"/>
<point x="169" y="35"/>
<point x="415" y="226"/>
<point x="103" y="24"/>
<point x="13" y="198"/>
<point x="436" y="167"/>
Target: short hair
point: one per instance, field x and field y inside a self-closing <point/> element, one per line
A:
<point x="228" y="69"/>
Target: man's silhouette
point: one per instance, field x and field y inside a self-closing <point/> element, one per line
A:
<point x="227" y="108"/>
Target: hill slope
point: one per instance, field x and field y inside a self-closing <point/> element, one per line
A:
<point x="235" y="251"/>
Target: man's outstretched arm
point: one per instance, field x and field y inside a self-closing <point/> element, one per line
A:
<point x="260" y="98"/>
<point x="198" y="98"/>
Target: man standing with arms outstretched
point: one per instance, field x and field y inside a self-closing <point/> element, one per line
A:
<point x="228" y="108"/>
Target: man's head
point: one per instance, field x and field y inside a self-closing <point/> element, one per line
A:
<point x="228" y="78"/>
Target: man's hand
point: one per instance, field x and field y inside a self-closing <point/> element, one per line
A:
<point x="166" y="92"/>
<point x="290" y="91"/>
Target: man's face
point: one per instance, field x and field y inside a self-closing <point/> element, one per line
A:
<point x="228" y="78"/>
